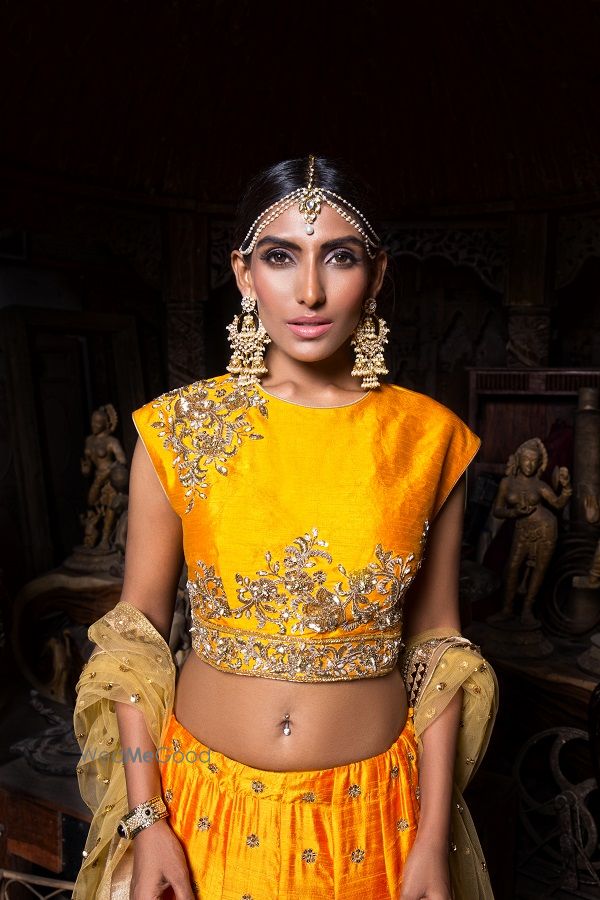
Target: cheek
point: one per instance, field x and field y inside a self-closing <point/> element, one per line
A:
<point x="273" y="286"/>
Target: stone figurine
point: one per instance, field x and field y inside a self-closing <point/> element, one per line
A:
<point x="104" y="459"/>
<point x="522" y="495"/>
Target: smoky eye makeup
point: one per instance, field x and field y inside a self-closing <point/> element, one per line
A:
<point x="343" y="257"/>
<point x="276" y="256"/>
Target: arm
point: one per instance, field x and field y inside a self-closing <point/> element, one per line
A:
<point x="153" y="562"/>
<point x="433" y="604"/>
<point x="118" y="451"/>
<point x="152" y="567"/>
<point x="560" y="501"/>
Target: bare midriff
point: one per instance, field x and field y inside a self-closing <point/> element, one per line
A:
<point x="330" y="723"/>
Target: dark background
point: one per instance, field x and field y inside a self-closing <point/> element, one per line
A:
<point x="128" y="130"/>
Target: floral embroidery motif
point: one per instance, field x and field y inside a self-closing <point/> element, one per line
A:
<point x="212" y="768"/>
<point x="401" y="824"/>
<point x="308" y="797"/>
<point x="357" y="855"/>
<point x="176" y="745"/>
<point x="308" y="606"/>
<point x="168" y="795"/>
<point x="394" y="771"/>
<point x="354" y="790"/>
<point x="204" y="823"/>
<point x="309" y="855"/>
<point x="258" y="787"/>
<point x="252" y="840"/>
<point x="333" y="660"/>
<point x="291" y="596"/>
<point x="204" y="424"/>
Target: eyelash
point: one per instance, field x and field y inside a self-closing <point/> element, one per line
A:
<point x="349" y="258"/>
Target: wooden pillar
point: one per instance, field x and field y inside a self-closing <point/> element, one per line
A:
<point x="527" y="292"/>
<point x="186" y="292"/>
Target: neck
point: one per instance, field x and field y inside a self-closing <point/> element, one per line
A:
<point x="328" y="377"/>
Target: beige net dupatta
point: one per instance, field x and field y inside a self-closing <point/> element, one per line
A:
<point x="131" y="663"/>
<point x="435" y="665"/>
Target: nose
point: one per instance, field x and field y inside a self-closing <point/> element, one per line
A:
<point x="310" y="289"/>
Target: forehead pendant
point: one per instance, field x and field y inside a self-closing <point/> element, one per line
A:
<point x="310" y="199"/>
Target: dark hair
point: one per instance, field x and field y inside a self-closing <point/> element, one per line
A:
<point x="274" y="182"/>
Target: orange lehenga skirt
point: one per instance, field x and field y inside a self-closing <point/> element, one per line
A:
<point x="341" y="833"/>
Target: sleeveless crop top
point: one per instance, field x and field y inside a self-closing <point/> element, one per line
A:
<point x="303" y="527"/>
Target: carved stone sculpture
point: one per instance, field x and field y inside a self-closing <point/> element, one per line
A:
<point x="522" y="495"/>
<point x="104" y="459"/>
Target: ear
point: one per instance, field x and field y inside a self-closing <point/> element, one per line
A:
<point x="243" y="275"/>
<point x="379" y="267"/>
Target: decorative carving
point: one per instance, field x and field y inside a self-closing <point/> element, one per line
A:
<point x="578" y="238"/>
<point x="483" y="249"/>
<point x="221" y="245"/>
<point x="186" y="293"/>
<point x="55" y="751"/>
<point x="528" y="339"/>
<point x="140" y="243"/>
<point x="565" y="810"/>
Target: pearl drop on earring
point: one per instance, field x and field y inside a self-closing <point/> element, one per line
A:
<point x="310" y="229"/>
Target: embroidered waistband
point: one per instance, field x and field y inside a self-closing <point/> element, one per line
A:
<point x="319" y="658"/>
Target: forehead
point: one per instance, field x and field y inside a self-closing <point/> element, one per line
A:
<point x="327" y="226"/>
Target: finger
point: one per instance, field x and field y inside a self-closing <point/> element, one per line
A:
<point x="182" y="888"/>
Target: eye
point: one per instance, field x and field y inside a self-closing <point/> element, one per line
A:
<point x="343" y="258"/>
<point x="277" y="257"/>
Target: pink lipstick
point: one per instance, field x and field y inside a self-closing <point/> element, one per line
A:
<point x="309" y="326"/>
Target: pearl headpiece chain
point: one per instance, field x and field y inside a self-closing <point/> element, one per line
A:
<point x="309" y="201"/>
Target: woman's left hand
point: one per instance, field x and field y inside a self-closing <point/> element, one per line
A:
<point x="426" y="873"/>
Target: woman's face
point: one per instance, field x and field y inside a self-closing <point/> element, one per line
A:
<point x="309" y="288"/>
<point x="529" y="461"/>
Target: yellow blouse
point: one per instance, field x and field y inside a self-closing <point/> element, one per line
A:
<point x="303" y="527"/>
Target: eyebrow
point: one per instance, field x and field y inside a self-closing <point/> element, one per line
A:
<point x="327" y="245"/>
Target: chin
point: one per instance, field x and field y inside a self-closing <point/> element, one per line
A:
<point x="310" y="354"/>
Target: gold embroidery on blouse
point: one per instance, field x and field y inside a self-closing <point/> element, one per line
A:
<point x="294" y="598"/>
<point x="291" y="595"/>
<point x="204" y="424"/>
<point x="293" y="659"/>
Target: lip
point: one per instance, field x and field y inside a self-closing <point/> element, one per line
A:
<point x="309" y="328"/>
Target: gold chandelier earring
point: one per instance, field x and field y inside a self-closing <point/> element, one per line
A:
<point x="248" y="340"/>
<point x="368" y="340"/>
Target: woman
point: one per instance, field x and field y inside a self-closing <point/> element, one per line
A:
<point x="304" y="501"/>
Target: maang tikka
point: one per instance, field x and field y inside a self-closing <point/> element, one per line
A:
<point x="248" y="344"/>
<point x="368" y="340"/>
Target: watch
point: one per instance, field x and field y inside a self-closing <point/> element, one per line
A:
<point x="142" y="816"/>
